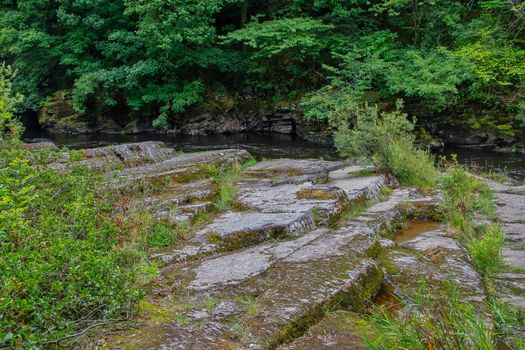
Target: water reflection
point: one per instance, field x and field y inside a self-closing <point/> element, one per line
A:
<point x="275" y="146"/>
<point x="259" y="145"/>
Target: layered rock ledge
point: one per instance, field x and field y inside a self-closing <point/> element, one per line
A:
<point x="304" y="247"/>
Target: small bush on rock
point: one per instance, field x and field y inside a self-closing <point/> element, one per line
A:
<point x="387" y="140"/>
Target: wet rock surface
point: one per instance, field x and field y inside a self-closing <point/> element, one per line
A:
<point x="259" y="277"/>
<point x="302" y="237"/>
<point x="436" y="258"/>
<point x="510" y="201"/>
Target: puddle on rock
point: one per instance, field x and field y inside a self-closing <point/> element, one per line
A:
<point x="386" y="297"/>
<point x="414" y="228"/>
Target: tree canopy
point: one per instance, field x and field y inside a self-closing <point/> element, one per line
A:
<point x="159" y="57"/>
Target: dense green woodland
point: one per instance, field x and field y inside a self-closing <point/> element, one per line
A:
<point x="74" y="262"/>
<point x="144" y="58"/>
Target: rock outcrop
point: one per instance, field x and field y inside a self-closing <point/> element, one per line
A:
<point x="304" y="247"/>
<point x="58" y="115"/>
<point x="259" y="275"/>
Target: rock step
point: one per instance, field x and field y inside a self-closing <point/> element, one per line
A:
<point x="438" y="258"/>
<point x="285" y="210"/>
<point x="158" y="177"/>
<point x="185" y="212"/>
<point x="270" y="294"/>
<point x="123" y="156"/>
<point x="510" y="209"/>
<point x="235" y="230"/>
<point x="294" y="169"/>
<point x="336" y="331"/>
<point x="183" y="194"/>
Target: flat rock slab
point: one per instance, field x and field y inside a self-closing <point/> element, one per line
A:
<point x="292" y="168"/>
<point x="127" y="155"/>
<point x="179" y="169"/>
<point x="438" y="258"/>
<point x="40" y="146"/>
<point x="268" y="309"/>
<point x="356" y="186"/>
<point x="234" y="268"/>
<point x="326" y="202"/>
<point x="241" y="229"/>
<point x="510" y="201"/>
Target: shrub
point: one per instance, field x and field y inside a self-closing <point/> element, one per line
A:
<point x="386" y="139"/>
<point x="62" y="269"/>
<point x="10" y="128"/>
<point x="226" y="184"/>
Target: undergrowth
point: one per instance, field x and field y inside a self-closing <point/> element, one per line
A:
<point x="62" y="267"/>
<point x="430" y="321"/>
<point x="445" y="321"/>
<point x="386" y="139"/>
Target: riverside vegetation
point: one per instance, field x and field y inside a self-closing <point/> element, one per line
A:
<point x="75" y="257"/>
<point x="451" y="61"/>
<point x="74" y="260"/>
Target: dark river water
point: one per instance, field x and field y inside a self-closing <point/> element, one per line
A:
<point x="274" y="146"/>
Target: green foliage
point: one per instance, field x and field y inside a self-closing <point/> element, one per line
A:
<point x="284" y="51"/>
<point x="508" y="321"/>
<point x="10" y="127"/>
<point x="385" y="139"/>
<point x="431" y="320"/>
<point x="227" y="188"/>
<point x="248" y="164"/>
<point x="144" y="59"/>
<point x="62" y="267"/>
<point x="433" y="75"/>
<point x="464" y="196"/>
<point x="485" y="251"/>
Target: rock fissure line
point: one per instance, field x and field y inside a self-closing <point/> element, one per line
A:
<point x="271" y="273"/>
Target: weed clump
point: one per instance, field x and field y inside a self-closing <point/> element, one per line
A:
<point x="430" y="321"/>
<point x="226" y="184"/>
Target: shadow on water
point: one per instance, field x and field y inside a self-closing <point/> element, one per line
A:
<point x="513" y="164"/>
<point x="415" y="228"/>
<point x="258" y="144"/>
<point x="272" y="146"/>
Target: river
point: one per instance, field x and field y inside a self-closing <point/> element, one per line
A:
<point x="274" y="146"/>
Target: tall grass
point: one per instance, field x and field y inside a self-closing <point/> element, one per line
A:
<point x="465" y="199"/>
<point x="226" y="186"/>
<point x="431" y="321"/>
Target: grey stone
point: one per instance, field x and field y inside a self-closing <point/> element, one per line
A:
<point x="515" y="258"/>
<point x="293" y="167"/>
<point x="257" y="226"/>
<point x="356" y="186"/>
<point x="230" y="269"/>
<point x="178" y="169"/>
<point x="432" y="240"/>
<point x="40" y="146"/>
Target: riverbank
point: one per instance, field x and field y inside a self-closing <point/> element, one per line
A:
<point x="234" y="253"/>
<point x="268" y="146"/>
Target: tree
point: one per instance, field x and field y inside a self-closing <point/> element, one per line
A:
<point x="10" y="127"/>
